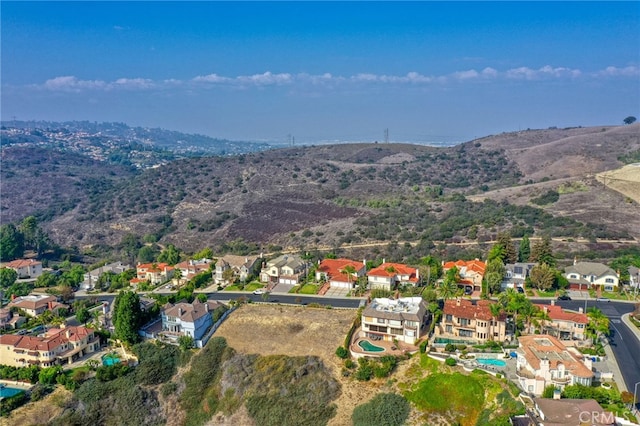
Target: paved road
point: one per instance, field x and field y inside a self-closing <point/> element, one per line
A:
<point x="624" y="343"/>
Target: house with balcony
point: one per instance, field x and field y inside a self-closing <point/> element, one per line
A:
<point x="571" y="412"/>
<point x="57" y="346"/>
<point x="91" y="278"/>
<point x="389" y="276"/>
<point x="9" y="320"/>
<point x="471" y="272"/>
<point x="190" y="268"/>
<point x="543" y="361"/>
<point x="634" y="277"/>
<point x="35" y="304"/>
<point x="404" y="319"/>
<point x="242" y="267"/>
<point x="285" y="269"/>
<point x="188" y="319"/>
<point x="154" y="273"/>
<point x="473" y="322"/>
<point x="25" y="268"/>
<point x="340" y="273"/>
<point x="568" y="326"/>
<point x="586" y="275"/>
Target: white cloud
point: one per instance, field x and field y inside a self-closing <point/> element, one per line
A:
<point x="265" y="79"/>
<point x="71" y="83"/>
<point x="211" y="78"/>
<point x="544" y="72"/>
<point x="465" y="75"/>
<point x="132" y="83"/>
<point x="489" y="72"/>
<point x="630" y="71"/>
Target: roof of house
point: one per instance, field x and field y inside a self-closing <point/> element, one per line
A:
<point x="589" y="268"/>
<point x="154" y="267"/>
<point x="567" y="412"/>
<point x="34" y="301"/>
<point x="538" y="347"/>
<point x="556" y="313"/>
<point x="189" y="312"/>
<point x="52" y="339"/>
<point x="464" y="308"/>
<point x="199" y="264"/>
<point x="234" y="261"/>
<point x="292" y="261"/>
<point x="475" y="265"/>
<point x="21" y="263"/>
<point x="394" y="269"/>
<point x="334" y="269"/>
<point x="116" y="267"/>
<point x="405" y="308"/>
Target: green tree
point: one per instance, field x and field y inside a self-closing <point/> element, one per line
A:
<point x="170" y="255"/>
<point x="542" y="276"/>
<point x="130" y="244"/>
<point x="7" y="277"/>
<point x="548" y="391"/>
<point x="598" y="324"/>
<point x="127" y="316"/>
<point x="186" y="342"/>
<point x="494" y="274"/>
<point x="524" y="250"/>
<point x="205" y="253"/>
<point x="449" y="286"/>
<point x="147" y="254"/>
<point x="83" y="315"/>
<point x="47" y="279"/>
<point x="629" y="120"/>
<point x="510" y="252"/>
<point x="11" y="243"/>
<point x="541" y="252"/>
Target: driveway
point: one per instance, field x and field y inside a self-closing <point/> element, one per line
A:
<point x="336" y="292"/>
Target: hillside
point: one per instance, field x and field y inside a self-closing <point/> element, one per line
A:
<point x="335" y="194"/>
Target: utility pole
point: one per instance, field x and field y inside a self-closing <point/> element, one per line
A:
<point x="386" y="135"/>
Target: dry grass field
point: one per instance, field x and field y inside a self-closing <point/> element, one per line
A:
<point x="295" y="331"/>
<point x="625" y="180"/>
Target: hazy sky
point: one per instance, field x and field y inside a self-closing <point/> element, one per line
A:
<point x="428" y="72"/>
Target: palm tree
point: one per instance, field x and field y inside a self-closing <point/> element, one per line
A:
<point x="447" y="289"/>
<point x="496" y="310"/>
<point x="598" y="324"/>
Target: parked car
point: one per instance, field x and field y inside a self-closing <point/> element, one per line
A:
<point x="602" y="299"/>
<point x="564" y="297"/>
<point x="258" y="291"/>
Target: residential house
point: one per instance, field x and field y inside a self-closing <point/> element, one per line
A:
<point x="563" y="324"/>
<point x="403" y="319"/>
<point x="389" y="275"/>
<point x="56" y="346"/>
<point x="188" y="319"/>
<point x="340" y="273"/>
<point x="571" y="412"/>
<point x="155" y="273"/>
<point x="542" y="360"/>
<point x="516" y="274"/>
<point x="285" y="269"/>
<point x="35" y="304"/>
<point x="464" y="320"/>
<point x="242" y="266"/>
<point x="634" y="277"/>
<point x="9" y="320"/>
<point x="585" y="275"/>
<point x="190" y="268"/>
<point x="26" y="268"/>
<point x="91" y="278"/>
<point x="471" y="272"/>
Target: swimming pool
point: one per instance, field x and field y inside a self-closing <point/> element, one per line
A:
<point x="6" y="392"/>
<point x="369" y="347"/>
<point x="110" y="359"/>
<point x="494" y="362"/>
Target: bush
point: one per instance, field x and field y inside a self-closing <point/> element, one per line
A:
<point x="451" y="362"/>
<point x="386" y="409"/>
<point x="450" y="348"/>
<point x="342" y="352"/>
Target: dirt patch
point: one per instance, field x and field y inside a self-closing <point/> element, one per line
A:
<point x="625" y="180"/>
<point x="297" y="331"/>
<point x="39" y="412"/>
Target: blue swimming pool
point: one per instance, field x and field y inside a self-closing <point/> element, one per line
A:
<point x="110" y="359"/>
<point x="6" y="392"/>
<point x="369" y="347"/>
<point x="489" y="361"/>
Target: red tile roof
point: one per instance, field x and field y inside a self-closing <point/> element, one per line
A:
<point x="334" y="267"/>
<point x="394" y="269"/>
<point x="471" y="265"/>
<point x="154" y="267"/>
<point x="463" y="308"/>
<point x="52" y="339"/>
<point x="21" y="263"/>
<point x="556" y="312"/>
<point x="537" y="347"/>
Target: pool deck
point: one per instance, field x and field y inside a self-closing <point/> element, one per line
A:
<point x="17" y="385"/>
<point x="400" y="349"/>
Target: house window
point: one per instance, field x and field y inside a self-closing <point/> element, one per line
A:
<point x="466" y="333"/>
<point x="449" y="328"/>
<point x="397" y="331"/>
<point x="449" y="318"/>
<point x="464" y="321"/>
<point x="609" y="280"/>
<point x="380" y="320"/>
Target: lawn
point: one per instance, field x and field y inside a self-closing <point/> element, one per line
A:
<point x="309" y="289"/>
<point x="253" y="286"/>
<point x="232" y="288"/>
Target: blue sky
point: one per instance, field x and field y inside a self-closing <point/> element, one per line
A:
<point x="428" y="72"/>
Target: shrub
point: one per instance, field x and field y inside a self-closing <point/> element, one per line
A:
<point x="450" y="348"/>
<point x="342" y="352"/>
<point x="451" y="362"/>
<point x="386" y="409"/>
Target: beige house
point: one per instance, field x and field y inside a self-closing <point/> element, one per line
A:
<point x="190" y="268"/>
<point x="543" y="360"/>
<point x="403" y="319"/>
<point x="464" y="320"/>
<point x="9" y="320"/>
<point x="242" y="266"/>
<point x="340" y="273"/>
<point x="565" y="325"/>
<point x="585" y="275"/>
<point x="285" y="269"/>
<point x="389" y="275"/>
<point x="155" y="273"/>
<point x="57" y="346"/>
<point x="35" y="304"/>
<point x="26" y="268"/>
